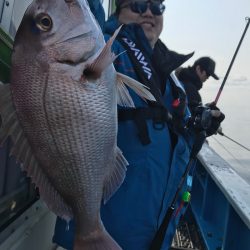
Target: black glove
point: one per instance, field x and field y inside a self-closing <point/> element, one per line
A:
<point x="216" y="118"/>
<point x="207" y="118"/>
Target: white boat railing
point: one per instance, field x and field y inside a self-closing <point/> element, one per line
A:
<point x="235" y="188"/>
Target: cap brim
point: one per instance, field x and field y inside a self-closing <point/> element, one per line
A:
<point x="215" y="76"/>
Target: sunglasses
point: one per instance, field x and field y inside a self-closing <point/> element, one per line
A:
<point x="157" y="8"/>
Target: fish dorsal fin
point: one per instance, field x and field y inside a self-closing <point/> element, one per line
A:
<point x="124" y="99"/>
<point x="105" y="58"/>
<point x="21" y="150"/>
<point x="117" y="176"/>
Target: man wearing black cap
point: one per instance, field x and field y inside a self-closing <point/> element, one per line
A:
<point x="193" y="78"/>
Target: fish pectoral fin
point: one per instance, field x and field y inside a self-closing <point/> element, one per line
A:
<point x="117" y="176"/>
<point x="105" y="58"/>
<point x="21" y="150"/>
<point x="124" y="99"/>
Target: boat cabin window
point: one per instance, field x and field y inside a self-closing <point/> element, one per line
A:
<point x="109" y="7"/>
<point x="11" y="14"/>
<point x="1" y="8"/>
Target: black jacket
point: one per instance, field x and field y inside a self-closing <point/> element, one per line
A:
<point x="165" y="61"/>
<point x="192" y="85"/>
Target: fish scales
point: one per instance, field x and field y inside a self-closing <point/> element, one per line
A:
<point x="78" y="121"/>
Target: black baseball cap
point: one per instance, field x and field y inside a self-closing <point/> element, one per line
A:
<point x="207" y="64"/>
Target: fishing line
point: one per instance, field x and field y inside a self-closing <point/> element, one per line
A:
<point x="237" y="160"/>
<point x="222" y="134"/>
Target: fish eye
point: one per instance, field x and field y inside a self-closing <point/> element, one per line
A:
<point x="43" y="22"/>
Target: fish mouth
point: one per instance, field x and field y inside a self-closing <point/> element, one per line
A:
<point x="82" y="59"/>
<point x="76" y="38"/>
<point x="73" y="63"/>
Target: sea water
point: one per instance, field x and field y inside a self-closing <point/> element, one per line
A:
<point x="234" y="102"/>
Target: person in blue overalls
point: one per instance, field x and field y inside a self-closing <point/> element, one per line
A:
<point x="156" y="147"/>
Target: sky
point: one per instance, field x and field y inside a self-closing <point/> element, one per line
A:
<point x="210" y="28"/>
<point x="214" y="28"/>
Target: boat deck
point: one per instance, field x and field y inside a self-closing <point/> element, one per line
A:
<point x="187" y="235"/>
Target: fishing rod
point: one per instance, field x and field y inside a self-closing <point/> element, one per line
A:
<point x="160" y="234"/>
<point x="222" y="134"/>
<point x="200" y="137"/>
<point x="232" y="61"/>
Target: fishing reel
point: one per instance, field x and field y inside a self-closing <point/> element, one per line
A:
<point x="202" y="119"/>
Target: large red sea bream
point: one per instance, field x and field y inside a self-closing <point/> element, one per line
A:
<point x="60" y="110"/>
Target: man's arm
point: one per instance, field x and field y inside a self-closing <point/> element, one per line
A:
<point x="98" y="11"/>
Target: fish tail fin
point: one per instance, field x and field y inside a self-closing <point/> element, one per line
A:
<point x="98" y="240"/>
<point x="124" y="98"/>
